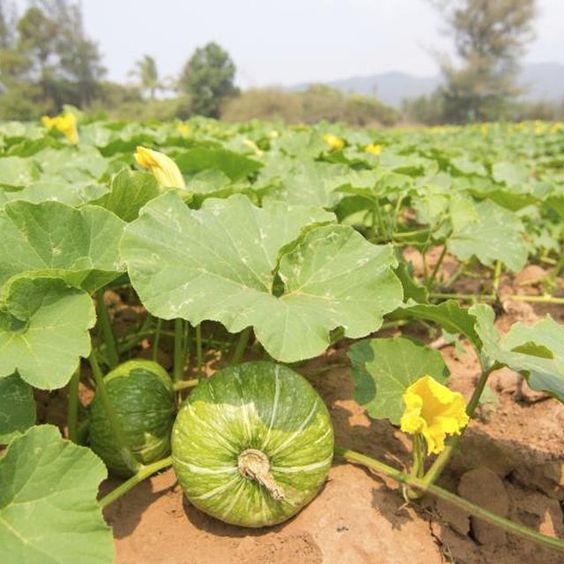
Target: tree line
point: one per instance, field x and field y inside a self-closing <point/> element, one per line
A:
<point x="47" y="60"/>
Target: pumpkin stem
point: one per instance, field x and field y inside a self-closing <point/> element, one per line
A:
<point x="254" y="465"/>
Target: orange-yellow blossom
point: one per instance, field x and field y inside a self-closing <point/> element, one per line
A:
<point x="65" y="123"/>
<point x="373" y="149"/>
<point x="433" y="411"/>
<point x="335" y="143"/>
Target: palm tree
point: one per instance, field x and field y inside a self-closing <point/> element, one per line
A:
<point x="147" y="74"/>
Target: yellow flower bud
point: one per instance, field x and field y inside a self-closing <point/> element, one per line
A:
<point x="433" y="411"/>
<point x="163" y="168"/>
<point x="335" y="143"/>
<point x="373" y="149"/>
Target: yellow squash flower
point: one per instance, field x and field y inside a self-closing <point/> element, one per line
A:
<point x="433" y="411"/>
<point x="184" y="129"/>
<point x="163" y="168"/>
<point x="335" y="143"/>
<point x="65" y="123"/>
<point x="373" y="149"/>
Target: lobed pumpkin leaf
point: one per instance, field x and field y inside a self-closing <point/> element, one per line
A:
<point x="48" y="507"/>
<point x="496" y="235"/>
<point x="383" y="369"/>
<point x="56" y="240"/>
<point x="220" y="263"/>
<point x="44" y="330"/>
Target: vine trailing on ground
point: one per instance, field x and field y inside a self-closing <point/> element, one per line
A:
<point x="246" y="241"/>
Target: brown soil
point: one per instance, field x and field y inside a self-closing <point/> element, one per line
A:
<point x="511" y="461"/>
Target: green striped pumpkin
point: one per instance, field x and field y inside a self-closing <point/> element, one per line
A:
<point x="143" y="398"/>
<point x="253" y="444"/>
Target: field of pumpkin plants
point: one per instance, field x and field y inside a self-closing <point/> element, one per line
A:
<point x="174" y="296"/>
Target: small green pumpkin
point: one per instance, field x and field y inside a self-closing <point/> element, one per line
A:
<point x="253" y="444"/>
<point x="142" y="396"/>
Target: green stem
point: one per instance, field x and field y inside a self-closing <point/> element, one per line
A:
<point x="395" y="217"/>
<point x="72" y="409"/>
<point x="143" y="473"/>
<point x="516" y="297"/>
<point x="157" y="338"/>
<point x="411" y="233"/>
<point x="457" y="274"/>
<point x="496" y="279"/>
<point x="418" y="468"/>
<point x="199" y="355"/>
<point x="113" y="420"/>
<point x="431" y="280"/>
<point x="187" y="343"/>
<point x="106" y="328"/>
<point x="465" y="505"/>
<point x="178" y="349"/>
<point x="425" y="267"/>
<point x="184" y="384"/>
<point x="241" y="345"/>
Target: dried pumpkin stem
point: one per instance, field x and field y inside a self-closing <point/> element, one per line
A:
<point x="254" y="465"/>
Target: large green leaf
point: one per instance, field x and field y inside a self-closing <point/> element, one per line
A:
<point x="496" y="235"/>
<point x="383" y="369"/>
<point x="44" y="330"/>
<point x="17" y="407"/>
<point x="537" y="351"/>
<point x="219" y="263"/>
<point x="48" y="508"/>
<point x="52" y="239"/>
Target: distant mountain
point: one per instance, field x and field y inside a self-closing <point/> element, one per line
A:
<point x="544" y="81"/>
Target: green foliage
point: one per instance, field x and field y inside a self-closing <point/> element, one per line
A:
<point x="44" y="331"/>
<point x="17" y="407"/>
<point x="297" y="233"/>
<point x="48" y="61"/>
<point x="231" y="249"/>
<point x="55" y="240"/>
<point x="209" y="78"/>
<point x="48" y="508"/>
<point x="535" y="350"/>
<point x="148" y="75"/>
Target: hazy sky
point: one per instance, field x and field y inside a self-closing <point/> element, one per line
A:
<point x="289" y="41"/>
